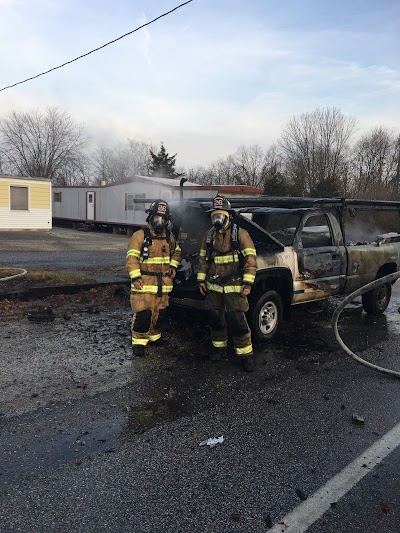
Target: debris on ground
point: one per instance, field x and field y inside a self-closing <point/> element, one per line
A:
<point x="268" y="521"/>
<point x="301" y="494"/>
<point x="67" y="304"/>
<point x="41" y="315"/>
<point x="212" y="441"/>
<point x="357" y="419"/>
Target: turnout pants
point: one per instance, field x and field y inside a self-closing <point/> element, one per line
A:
<point x="227" y="310"/>
<point x="148" y="314"/>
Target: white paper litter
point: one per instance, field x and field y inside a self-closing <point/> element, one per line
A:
<point x="212" y="441"/>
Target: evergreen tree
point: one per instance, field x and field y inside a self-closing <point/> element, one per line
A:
<point x="275" y="183"/>
<point x="163" y="165"/>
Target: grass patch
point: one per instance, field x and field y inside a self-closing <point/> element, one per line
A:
<point x="63" y="278"/>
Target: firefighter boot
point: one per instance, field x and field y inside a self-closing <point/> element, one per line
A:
<point x="160" y="343"/>
<point x="217" y="354"/>
<point x="249" y="363"/>
<point x="138" y="350"/>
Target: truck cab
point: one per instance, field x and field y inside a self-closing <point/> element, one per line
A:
<point x="302" y="254"/>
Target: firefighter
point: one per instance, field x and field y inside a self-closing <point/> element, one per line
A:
<point x="152" y="259"/>
<point x="227" y="268"/>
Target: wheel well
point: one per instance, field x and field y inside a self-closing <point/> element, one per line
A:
<point x="282" y="284"/>
<point x="385" y="270"/>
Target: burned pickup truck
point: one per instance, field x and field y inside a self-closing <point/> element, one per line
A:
<point x="308" y="249"/>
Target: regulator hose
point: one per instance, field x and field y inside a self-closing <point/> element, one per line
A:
<point x="377" y="283"/>
<point x="22" y="273"/>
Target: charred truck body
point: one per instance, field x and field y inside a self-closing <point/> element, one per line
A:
<point x="308" y="249"/>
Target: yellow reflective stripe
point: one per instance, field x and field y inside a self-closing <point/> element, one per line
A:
<point x="220" y="344"/>
<point x="202" y="253"/>
<point x="134" y="273"/>
<point x="244" y="351"/>
<point x="177" y="248"/>
<point x="249" y="277"/>
<point x="156" y="261"/>
<point x="153" y="289"/>
<point x="233" y="288"/>
<point x="174" y="263"/>
<point x="142" y="342"/>
<point x="133" y="252"/>
<point x="201" y="276"/>
<point x="223" y="259"/>
<point x="248" y="251"/>
<point x="153" y="338"/>
<point x="212" y="287"/>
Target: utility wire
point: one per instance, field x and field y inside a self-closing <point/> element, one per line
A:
<point x="99" y="48"/>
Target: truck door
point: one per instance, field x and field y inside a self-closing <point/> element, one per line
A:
<point x="321" y="259"/>
<point x="90" y="205"/>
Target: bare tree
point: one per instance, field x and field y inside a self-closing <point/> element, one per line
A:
<point x="315" y="145"/>
<point x="395" y="177"/>
<point x="121" y="161"/>
<point x="371" y="159"/>
<point x="48" y="145"/>
<point x="250" y="162"/>
<point x="140" y="157"/>
<point x="376" y="164"/>
<point x="200" y="175"/>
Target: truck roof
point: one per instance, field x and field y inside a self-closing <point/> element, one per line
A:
<point x="288" y="202"/>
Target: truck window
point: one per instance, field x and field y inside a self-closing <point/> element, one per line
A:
<point x="316" y="232"/>
<point x="282" y="226"/>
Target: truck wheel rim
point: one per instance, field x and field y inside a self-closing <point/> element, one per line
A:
<point x="268" y="318"/>
<point x="381" y="297"/>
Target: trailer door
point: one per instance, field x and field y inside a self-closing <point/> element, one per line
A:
<point x="90" y="205"/>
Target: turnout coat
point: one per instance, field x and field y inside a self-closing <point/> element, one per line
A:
<point x="224" y="268"/>
<point x="152" y="262"/>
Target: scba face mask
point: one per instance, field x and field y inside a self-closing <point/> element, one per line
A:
<point x="159" y="223"/>
<point x="219" y="220"/>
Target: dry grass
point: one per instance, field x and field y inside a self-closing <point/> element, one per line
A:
<point x="47" y="276"/>
<point x="60" y="278"/>
<point x="90" y="300"/>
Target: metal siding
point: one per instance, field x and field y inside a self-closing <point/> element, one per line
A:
<point x="4" y="194"/>
<point x="39" y="196"/>
<point x="110" y="201"/>
<point x="71" y="205"/>
<point x="33" y="219"/>
<point x="38" y="216"/>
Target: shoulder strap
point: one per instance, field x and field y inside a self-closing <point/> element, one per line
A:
<point x="235" y="238"/>
<point x="147" y="241"/>
<point x="209" y="243"/>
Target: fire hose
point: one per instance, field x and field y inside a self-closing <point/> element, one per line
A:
<point x="22" y="273"/>
<point x="370" y="286"/>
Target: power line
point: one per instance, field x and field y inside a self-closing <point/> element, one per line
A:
<point x="99" y="48"/>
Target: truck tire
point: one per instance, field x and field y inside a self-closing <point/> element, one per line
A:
<point x="266" y="317"/>
<point x="376" y="301"/>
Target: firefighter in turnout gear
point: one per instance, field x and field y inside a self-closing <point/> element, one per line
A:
<point x="152" y="259"/>
<point x="227" y="268"/>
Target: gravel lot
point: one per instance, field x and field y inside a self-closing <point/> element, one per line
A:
<point x="98" y="255"/>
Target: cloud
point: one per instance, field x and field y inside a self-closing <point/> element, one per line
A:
<point x="204" y="84"/>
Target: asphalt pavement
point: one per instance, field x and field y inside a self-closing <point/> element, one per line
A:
<point x="92" y="441"/>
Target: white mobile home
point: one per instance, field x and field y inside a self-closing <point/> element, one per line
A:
<point x="122" y="204"/>
<point x="25" y="203"/>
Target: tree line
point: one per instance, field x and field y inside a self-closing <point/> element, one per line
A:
<point x="317" y="154"/>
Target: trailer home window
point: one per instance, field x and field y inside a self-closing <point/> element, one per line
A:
<point x="130" y="203"/>
<point x="57" y="197"/>
<point x="19" y="198"/>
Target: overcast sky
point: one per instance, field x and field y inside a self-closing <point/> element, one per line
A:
<point x="210" y="76"/>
